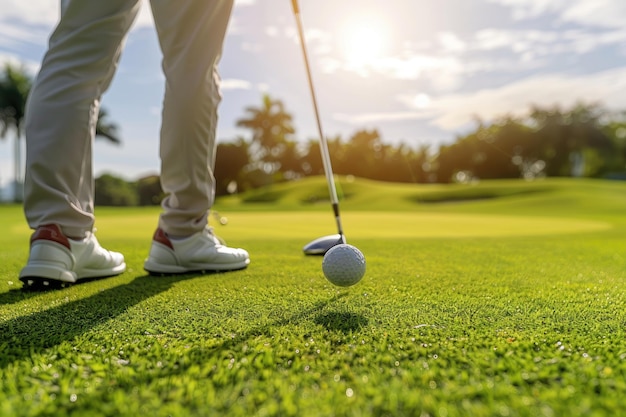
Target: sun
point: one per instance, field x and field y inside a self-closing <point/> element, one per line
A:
<point x="363" y="42"/>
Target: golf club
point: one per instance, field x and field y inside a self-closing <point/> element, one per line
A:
<point x="320" y="245"/>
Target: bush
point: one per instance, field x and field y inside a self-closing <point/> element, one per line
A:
<point x="115" y="191"/>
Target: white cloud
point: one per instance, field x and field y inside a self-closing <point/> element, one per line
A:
<point x="13" y="34"/>
<point x="451" y="42"/>
<point x="531" y="50"/>
<point x="605" y="13"/>
<point x="235" y="84"/>
<point x="448" y="65"/>
<point x="46" y="13"/>
<point x="272" y="31"/>
<point x="365" y="118"/>
<point x="144" y="19"/>
<point x="239" y="3"/>
<point x="517" y="40"/>
<point x="444" y="72"/>
<point x="32" y="12"/>
<point x="601" y="13"/>
<point x="453" y="111"/>
<point x="31" y="67"/>
<point x="529" y="8"/>
<point x="546" y="42"/>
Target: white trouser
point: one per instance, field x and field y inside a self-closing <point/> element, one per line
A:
<point x="63" y="106"/>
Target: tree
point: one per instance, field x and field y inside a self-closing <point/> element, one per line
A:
<point x="149" y="191"/>
<point x="291" y="162"/>
<point x="566" y="135"/>
<point x="272" y="127"/>
<point x="311" y="159"/>
<point x="403" y="164"/>
<point x="114" y="191"/>
<point x="362" y="155"/>
<point x="615" y="129"/>
<point x="106" y="128"/>
<point x="231" y="159"/>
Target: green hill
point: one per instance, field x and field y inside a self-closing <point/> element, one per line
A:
<point x="554" y="196"/>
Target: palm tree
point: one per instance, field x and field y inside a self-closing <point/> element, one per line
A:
<point x="107" y="129"/>
<point x="271" y="127"/>
<point x="15" y="85"/>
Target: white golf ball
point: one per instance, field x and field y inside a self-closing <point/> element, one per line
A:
<point x="344" y="265"/>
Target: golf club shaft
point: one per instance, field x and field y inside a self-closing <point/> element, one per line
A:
<point x="328" y="169"/>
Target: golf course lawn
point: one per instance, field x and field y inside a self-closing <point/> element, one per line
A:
<point x="501" y="298"/>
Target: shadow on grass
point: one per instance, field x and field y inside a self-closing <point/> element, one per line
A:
<point x="15" y="295"/>
<point x="29" y="335"/>
<point x="22" y="292"/>
<point x="24" y="336"/>
<point x="344" y="322"/>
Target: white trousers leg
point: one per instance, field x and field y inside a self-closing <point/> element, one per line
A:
<point x="62" y="111"/>
<point x="191" y="34"/>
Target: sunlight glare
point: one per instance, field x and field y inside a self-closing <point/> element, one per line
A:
<point x="363" y="42"/>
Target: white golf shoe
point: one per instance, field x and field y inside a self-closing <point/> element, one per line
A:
<point x="200" y="252"/>
<point x="57" y="261"/>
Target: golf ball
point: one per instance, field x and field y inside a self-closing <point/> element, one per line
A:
<point x="343" y="265"/>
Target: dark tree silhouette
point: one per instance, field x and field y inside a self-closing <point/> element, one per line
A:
<point x="15" y="85"/>
<point x="106" y="128"/>
<point x="231" y="159"/>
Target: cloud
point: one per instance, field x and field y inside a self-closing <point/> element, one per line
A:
<point x="45" y="13"/>
<point x="365" y="118"/>
<point x="606" y="13"/>
<point x="235" y="84"/>
<point x="450" y="42"/>
<point x="243" y="3"/>
<point x="448" y="66"/>
<point x="600" y="13"/>
<point x="545" y="43"/>
<point x="144" y="19"/>
<point x="454" y="111"/>
<point x="32" y="12"/>
<point x="13" y="34"/>
<point x="444" y="73"/>
<point x="31" y="67"/>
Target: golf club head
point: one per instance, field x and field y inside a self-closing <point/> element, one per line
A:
<point x="321" y="245"/>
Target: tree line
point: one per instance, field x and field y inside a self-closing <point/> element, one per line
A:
<point x="584" y="140"/>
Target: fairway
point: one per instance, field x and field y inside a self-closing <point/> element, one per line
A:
<point x="512" y="305"/>
<point x="395" y="225"/>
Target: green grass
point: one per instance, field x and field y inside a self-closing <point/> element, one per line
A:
<point x="501" y="298"/>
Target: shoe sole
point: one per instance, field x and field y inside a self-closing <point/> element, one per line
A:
<point x="43" y="284"/>
<point x="46" y="271"/>
<point x="44" y="277"/>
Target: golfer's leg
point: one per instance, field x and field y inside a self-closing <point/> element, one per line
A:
<point x="191" y="34"/>
<point x="62" y="111"/>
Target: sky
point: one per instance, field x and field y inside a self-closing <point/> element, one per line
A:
<point x="420" y="72"/>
